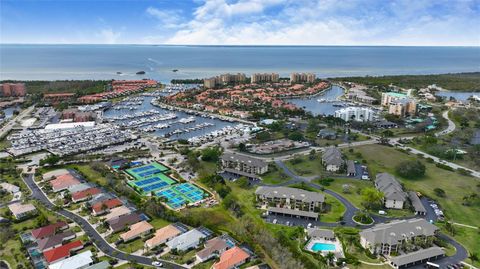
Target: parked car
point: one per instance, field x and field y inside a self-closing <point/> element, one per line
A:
<point x="157" y="264"/>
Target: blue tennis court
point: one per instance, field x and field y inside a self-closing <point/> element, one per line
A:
<point x="149" y="173"/>
<point x="143" y="168"/>
<point x="155" y="186"/>
<point x="147" y="181"/>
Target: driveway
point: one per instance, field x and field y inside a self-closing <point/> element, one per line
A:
<point x="96" y="238"/>
<point x="451" y="125"/>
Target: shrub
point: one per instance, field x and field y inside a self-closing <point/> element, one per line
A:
<point x="439" y="192"/>
<point x="411" y="169"/>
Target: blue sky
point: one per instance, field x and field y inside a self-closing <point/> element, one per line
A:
<point x="242" y="22"/>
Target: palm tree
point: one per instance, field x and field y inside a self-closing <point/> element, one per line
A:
<point x="473" y="256"/>
<point x="330" y="258"/>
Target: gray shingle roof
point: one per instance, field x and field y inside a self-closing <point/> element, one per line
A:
<point x="243" y="159"/>
<point x="321" y="233"/>
<point x="416" y="203"/>
<point x="417" y="256"/>
<point x="332" y="156"/>
<point x="53" y="240"/>
<point x="392" y="190"/>
<point x="293" y="193"/>
<point x="351" y="167"/>
<point x="392" y="233"/>
<point x="294" y="212"/>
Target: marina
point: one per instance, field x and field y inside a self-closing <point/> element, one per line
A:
<point x="165" y="121"/>
<point x="325" y="103"/>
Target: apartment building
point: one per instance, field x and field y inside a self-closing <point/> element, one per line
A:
<point x="332" y="159"/>
<point x="302" y="78"/>
<point x="361" y="114"/>
<point x="223" y="79"/>
<point x="387" y="238"/>
<point x="394" y="196"/>
<point x="399" y="104"/>
<point x="242" y="165"/>
<point x="12" y="89"/>
<point x="265" y="77"/>
<point x="290" y="198"/>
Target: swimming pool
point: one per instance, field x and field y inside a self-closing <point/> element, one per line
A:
<point x="322" y="247"/>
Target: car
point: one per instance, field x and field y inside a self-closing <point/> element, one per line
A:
<point x="274" y="221"/>
<point x="309" y="225"/>
<point x="157" y="264"/>
<point x="288" y="223"/>
<point x="381" y="212"/>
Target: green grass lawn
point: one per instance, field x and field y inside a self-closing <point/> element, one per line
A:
<point x="354" y="190"/>
<point x="275" y="175"/>
<point x="159" y="223"/>
<point x="132" y="246"/>
<point x="384" y="159"/>
<point x="468" y="237"/>
<point x="90" y="174"/>
<point x="180" y="259"/>
<point x="304" y="166"/>
<point x="336" y="209"/>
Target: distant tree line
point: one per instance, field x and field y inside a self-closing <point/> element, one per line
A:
<point x="453" y="82"/>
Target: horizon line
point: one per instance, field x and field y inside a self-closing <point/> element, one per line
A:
<point x="231" y="45"/>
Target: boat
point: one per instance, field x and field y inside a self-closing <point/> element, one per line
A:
<point x="140" y="72"/>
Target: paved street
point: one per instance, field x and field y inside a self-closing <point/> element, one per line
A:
<point x="11" y="123"/>
<point x="96" y="238"/>
<point x="451" y="125"/>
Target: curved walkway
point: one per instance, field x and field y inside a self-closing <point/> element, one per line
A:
<point x="451" y="125"/>
<point x="99" y="241"/>
<point x="350" y="210"/>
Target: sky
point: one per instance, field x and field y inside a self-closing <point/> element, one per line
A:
<point x="242" y="22"/>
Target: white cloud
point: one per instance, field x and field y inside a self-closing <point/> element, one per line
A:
<point x="108" y="36"/>
<point x="167" y="18"/>
<point x="329" y="22"/>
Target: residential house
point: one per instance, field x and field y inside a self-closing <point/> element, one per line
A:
<point x="20" y="211"/>
<point x="137" y="230"/>
<point x="232" y="258"/>
<point x="417" y="203"/>
<point x="243" y="165"/>
<point x="105" y="206"/>
<point x="9" y="187"/>
<point x="85" y="194"/>
<point x="327" y="134"/>
<point x="213" y="249"/>
<point x="163" y="235"/>
<point x="49" y="230"/>
<point x="81" y="260"/>
<point x="62" y="252"/>
<point x="117" y="212"/>
<point x="332" y="159"/>
<point x="120" y="223"/>
<point x="387" y="238"/>
<point x="55" y="240"/>
<point x="63" y="182"/>
<point x="394" y="196"/>
<point x="188" y="240"/>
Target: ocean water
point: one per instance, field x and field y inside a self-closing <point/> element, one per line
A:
<point x="51" y="62"/>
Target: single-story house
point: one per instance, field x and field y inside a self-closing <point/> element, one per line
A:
<point x="136" y="230"/>
<point x="213" y="249"/>
<point x="104" y="206"/>
<point x="232" y="258"/>
<point x="85" y="194"/>
<point x="63" y="182"/>
<point x="62" y="252"/>
<point x="117" y="212"/>
<point x="327" y="134"/>
<point x="9" y="187"/>
<point x="185" y="241"/>
<point x="55" y="240"/>
<point x="49" y="230"/>
<point x="120" y="223"/>
<point x="163" y="235"/>
<point x="20" y="211"/>
<point x="100" y="265"/>
<point x="80" y="260"/>
<point x="55" y="173"/>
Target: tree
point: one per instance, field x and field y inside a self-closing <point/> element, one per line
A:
<point x="242" y="147"/>
<point x="330" y="258"/>
<point x="439" y="192"/>
<point x="296" y="136"/>
<point x="473" y="256"/>
<point x="211" y="154"/>
<point x="411" y="169"/>
<point x="243" y="182"/>
<point x="371" y="197"/>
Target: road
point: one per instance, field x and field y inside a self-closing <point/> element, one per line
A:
<point x="96" y="238"/>
<point x="451" y="125"/>
<point x="350" y="210"/>
<point x="11" y="123"/>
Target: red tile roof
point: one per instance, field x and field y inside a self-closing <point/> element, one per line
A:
<point x="63" y="181"/>
<point x="48" y="230"/>
<point x="85" y="193"/>
<point x="56" y="254"/>
<point x="231" y="258"/>
<point x="109" y="204"/>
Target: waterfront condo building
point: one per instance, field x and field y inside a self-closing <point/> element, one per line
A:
<point x="399" y="104"/>
<point x="12" y="89"/>
<point x="242" y="165"/>
<point x="290" y="198"/>
<point x="302" y="78"/>
<point x="265" y="77"/>
<point x="388" y="238"/>
<point x="224" y="79"/>
<point x="361" y="114"/>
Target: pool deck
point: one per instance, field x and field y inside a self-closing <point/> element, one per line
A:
<point x="338" y="247"/>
